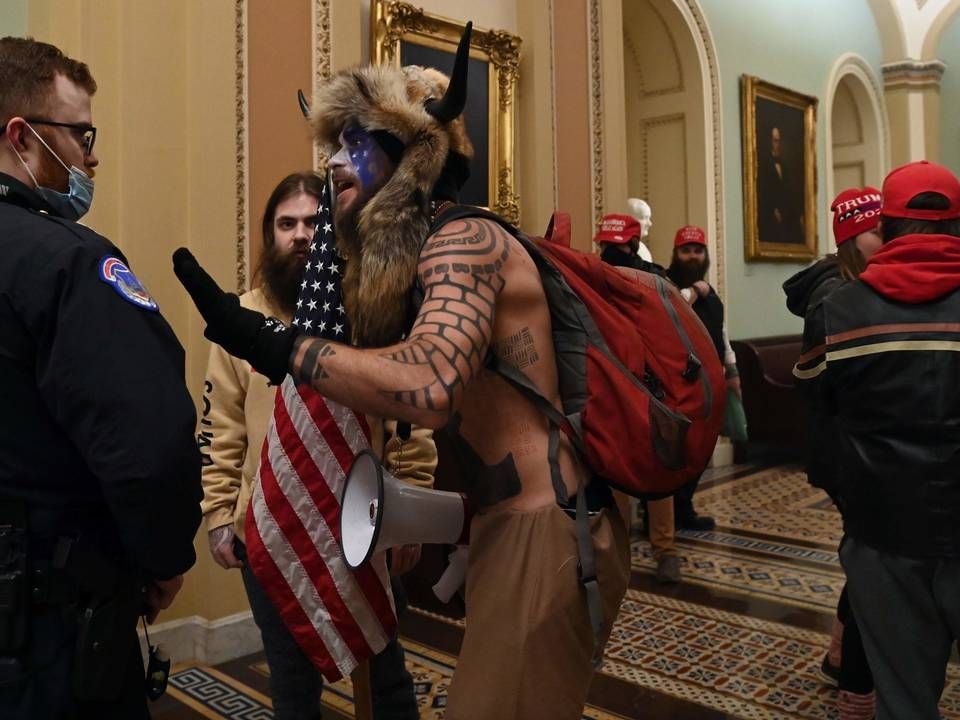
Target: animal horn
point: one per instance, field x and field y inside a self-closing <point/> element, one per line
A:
<point x="451" y="104"/>
<point x="304" y="105"/>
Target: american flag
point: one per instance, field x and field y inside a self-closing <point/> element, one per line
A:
<point x="338" y="616"/>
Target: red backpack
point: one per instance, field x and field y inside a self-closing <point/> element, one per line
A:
<point x="640" y="381"/>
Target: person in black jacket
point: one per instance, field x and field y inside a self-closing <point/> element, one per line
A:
<point x="884" y="362"/>
<point x="688" y="271"/>
<point x="619" y="242"/>
<point x="856" y="216"/>
<point x="99" y="468"/>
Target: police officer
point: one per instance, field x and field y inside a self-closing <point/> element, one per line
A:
<point x="99" y="469"/>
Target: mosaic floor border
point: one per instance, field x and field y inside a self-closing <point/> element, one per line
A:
<point x="220" y="697"/>
<point x="780" y="581"/>
<point x="775" y="549"/>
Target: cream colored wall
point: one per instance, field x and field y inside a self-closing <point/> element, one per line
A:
<point x="13" y="17"/>
<point x="167" y="177"/>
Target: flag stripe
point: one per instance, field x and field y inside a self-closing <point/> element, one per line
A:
<point x="287" y="604"/>
<point x="275" y="566"/>
<point x="296" y="425"/>
<point x="311" y="579"/>
<point x="325" y="425"/>
<point x="359" y="590"/>
<point x="373" y="577"/>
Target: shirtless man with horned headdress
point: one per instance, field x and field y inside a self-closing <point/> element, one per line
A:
<point x="426" y="310"/>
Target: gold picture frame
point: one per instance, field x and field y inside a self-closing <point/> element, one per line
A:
<point x="404" y="34"/>
<point x="779" y="172"/>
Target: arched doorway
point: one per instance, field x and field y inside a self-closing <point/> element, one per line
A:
<point x="856" y="127"/>
<point x="667" y="162"/>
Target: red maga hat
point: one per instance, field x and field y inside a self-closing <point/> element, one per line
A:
<point x="617" y="229"/>
<point x="908" y="181"/>
<point x="855" y="211"/>
<point x="690" y="235"/>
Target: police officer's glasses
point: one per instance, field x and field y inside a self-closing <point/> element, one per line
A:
<point x="87" y="133"/>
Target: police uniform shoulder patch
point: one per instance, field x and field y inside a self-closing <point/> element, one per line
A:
<point x="115" y="272"/>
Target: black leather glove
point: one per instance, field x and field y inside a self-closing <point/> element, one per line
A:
<point x="266" y="343"/>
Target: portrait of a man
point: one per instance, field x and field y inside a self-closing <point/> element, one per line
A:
<point x="779" y="172"/>
<point x="779" y="195"/>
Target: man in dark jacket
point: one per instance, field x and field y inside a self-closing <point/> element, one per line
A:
<point x="688" y="271"/>
<point x="99" y="469"/>
<point x="885" y="364"/>
<point x="619" y="240"/>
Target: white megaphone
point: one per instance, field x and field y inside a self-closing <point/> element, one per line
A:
<point x="379" y="512"/>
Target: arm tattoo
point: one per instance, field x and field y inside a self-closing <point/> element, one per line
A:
<point x="311" y="368"/>
<point x="518" y="349"/>
<point x="462" y="279"/>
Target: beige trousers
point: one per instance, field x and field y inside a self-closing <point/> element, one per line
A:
<point x="528" y="646"/>
<point x="662" y="528"/>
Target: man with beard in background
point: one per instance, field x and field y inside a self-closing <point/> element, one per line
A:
<point x="688" y="270"/>
<point x="238" y="404"/>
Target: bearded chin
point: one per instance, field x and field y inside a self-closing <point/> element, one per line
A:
<point x="380" y="241"/>
<point x="685" y="274"/>
<point x="282" y="274"/>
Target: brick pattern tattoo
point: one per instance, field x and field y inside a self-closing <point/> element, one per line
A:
<point x="460" y="270"/>
<point x="518" y="349"/>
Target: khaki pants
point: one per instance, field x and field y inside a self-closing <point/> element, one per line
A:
<point x="662" y="528"/>
<point x="528" y="645"/>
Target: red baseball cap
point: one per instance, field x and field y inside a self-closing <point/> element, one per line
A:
<point x="690" y="235"/>
<point x="908" y="181"/>
<point x="855" y="211"/>
<point x="618" y="229"/>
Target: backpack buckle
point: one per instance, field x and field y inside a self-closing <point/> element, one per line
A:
<point x="693" y="368"/>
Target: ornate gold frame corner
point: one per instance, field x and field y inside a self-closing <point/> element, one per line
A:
<point x="754" y="248"/>
<point x="393" y="21"/>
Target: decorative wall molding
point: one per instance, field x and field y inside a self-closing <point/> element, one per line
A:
<point x="241" y="140"/>
<point x="693" y="14"/>
<point x="322" y="69"/>
<point x="596" y="112"/>
<point x="206" y="641"/>
<point x="913" y="74"/>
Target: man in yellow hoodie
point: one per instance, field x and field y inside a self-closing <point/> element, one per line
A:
<point x="238" y="404"/>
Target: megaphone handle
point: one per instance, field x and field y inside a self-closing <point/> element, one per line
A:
<point x="454" y="576"/>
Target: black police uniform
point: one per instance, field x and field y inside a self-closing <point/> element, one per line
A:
<point x="97" y="453"/>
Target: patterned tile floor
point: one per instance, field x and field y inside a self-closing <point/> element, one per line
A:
<point x="741" y="637"/>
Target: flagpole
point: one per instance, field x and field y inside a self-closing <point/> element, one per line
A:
<point x="362" y="701"/>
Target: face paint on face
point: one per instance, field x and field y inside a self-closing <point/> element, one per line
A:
<point x="360" y="168"/>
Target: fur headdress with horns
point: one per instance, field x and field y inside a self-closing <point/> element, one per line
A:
<point x="413" y="105"/>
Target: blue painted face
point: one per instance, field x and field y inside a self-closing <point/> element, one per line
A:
<point x="360" y="168"/>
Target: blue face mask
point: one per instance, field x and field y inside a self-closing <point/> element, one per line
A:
<point x="73" y="204"/>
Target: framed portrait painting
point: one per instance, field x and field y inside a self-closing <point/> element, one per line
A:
<point x="779" y="172"/>
<point x="407" y="35"/>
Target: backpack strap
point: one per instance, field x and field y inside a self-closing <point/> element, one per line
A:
<point x="570" y="425"/>
<point x="558" y="421"/>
